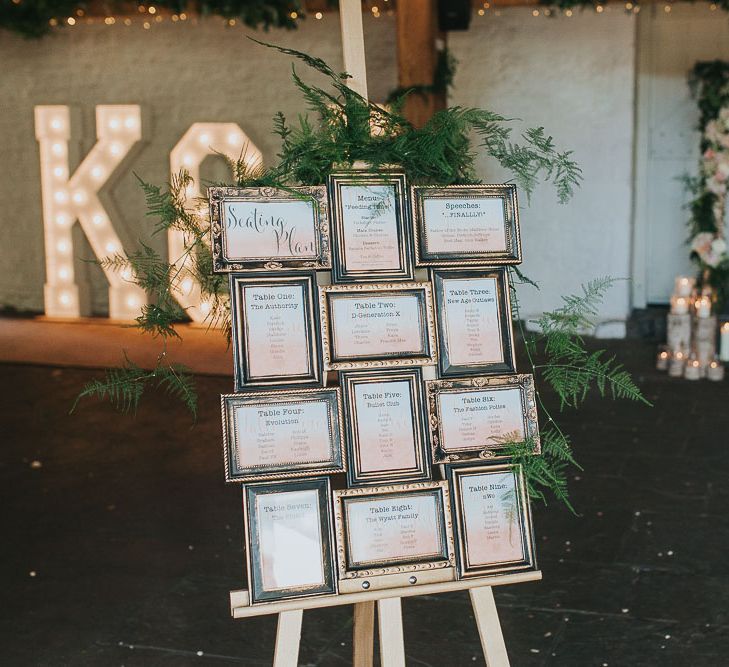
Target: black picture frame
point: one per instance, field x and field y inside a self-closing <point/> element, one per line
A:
<point x="357" y="472"/>
<point x="462" y="200"/>
<point x="259" y="591"/>
<point x="347" y="269"/>
<point x="484" y="481"/>
<point x="243" y="348"/>
<point x="449" y="364"/>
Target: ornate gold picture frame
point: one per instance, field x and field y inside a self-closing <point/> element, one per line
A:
<point x="280" y="434"/>
<point x="474" y="418"/>
<point x="267" y="229"/>
<point x="393" y="529"/>
<point x="377" y="325"/>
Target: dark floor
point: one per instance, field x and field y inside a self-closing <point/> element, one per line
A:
<point x="121" y="540"/>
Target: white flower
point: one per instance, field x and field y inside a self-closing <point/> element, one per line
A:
<point x="715" y="186"/>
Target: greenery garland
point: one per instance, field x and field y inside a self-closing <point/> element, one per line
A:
<point x="709" y="83"/>
<point x="441" y="152"/>
<point x="34" y="18"/>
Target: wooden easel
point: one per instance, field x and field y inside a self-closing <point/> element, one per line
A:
<point x="389" y="610"/>
<point x="388" y="600"/>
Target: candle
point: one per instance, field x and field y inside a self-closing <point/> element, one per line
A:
<point x="724" y="342"/>
<point x="693" y="370"/>
<point x="679" y="305"/>
<point x="676" y="363"/>
<point x="662" y="360"/>
<point x="715" y="371"/>
<point x="684" y="285"/>
<point x="703" y="307"/>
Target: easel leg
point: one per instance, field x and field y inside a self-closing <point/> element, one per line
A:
<point x="288" y="636"/>
<point x="364" y="634"/>
<point x="489" y="628"/>
<point x="392" y="646"/>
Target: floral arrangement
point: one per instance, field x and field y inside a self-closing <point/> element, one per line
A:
<point x="708" y="246"/>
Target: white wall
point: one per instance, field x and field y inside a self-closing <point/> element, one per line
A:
<point x="574" y="76"/>
<point x="667" y="143"/>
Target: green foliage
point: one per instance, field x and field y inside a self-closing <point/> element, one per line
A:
<point x="440" y="152"/>
<point x="571" y="371"/>
<point x="593" y="4"/>
<point x="709" y="84"/>
<point x="123" y="387"/>
<point x="31" y="18"/>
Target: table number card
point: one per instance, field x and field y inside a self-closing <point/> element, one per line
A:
<point x="386" y="436"/>
<point x="472" y="418"/>
<point x="377" y="325"/>
<point x="475" y="332"/>
<point x="288" y="526"/>
<point x="262" y="229"/>
<point x="493" y="522"/>
<point x="275" y="330"/>
<point x="404" y="527"/>
<point x="371" y="220"/>
<point x="271" y="435"/>
<point x="462" y="225"/>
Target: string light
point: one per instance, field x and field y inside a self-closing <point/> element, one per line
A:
<point x="481" y="12"/>
<point x="66" y="199"/>
<point x="667" y="8"/>
<point x="599" y="9"/>
<point x="318" y="16"/>
<point x="535" y="12"/>
<point x="200" y="141"/>
<point x="568" y="13"/>
<point x="71" y="21"/>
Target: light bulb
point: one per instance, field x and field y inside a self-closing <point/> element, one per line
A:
<point x="114" y="124"/>
<point x="65" y="299"/>
<point x="63" y="247"/>
<point x="79" y="196"/>
<point x="204" y="138"/>
<point x="62" y="220"/>
<point x="56" y="123"/>
<point x="127" y="273"/>
<point x="187" y="159"/>
<point x="59" y="172"/>
<point x="115" y="149"/>
<point x="187" y="285"/>
<point x="64" y="273"/>
<point x="98" y="219"/>
<point x="233" y="139"/>
<point x="204" y="307"/>
<point x="61" y="196"/>
<point x="132" y="302"/>
<point x="97" y="173"/>
<point x="130" y="122"/>
<point x="111" y="247"/>
<point x="57" y="148"/>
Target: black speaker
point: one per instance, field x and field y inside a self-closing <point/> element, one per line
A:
<point x="454" y="14"/>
